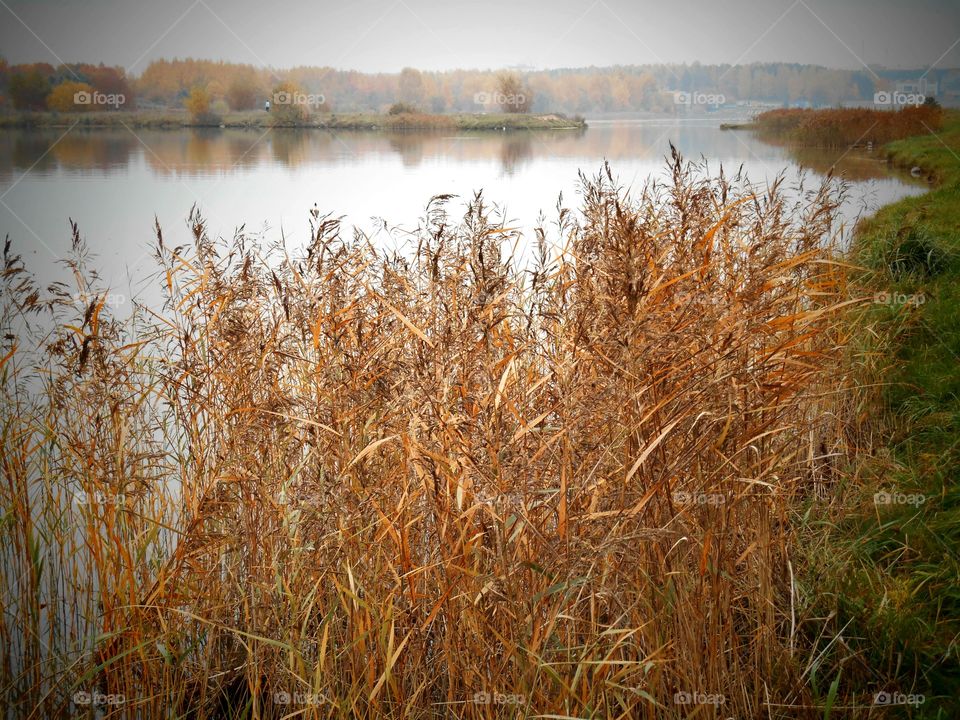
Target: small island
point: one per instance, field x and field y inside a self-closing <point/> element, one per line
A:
<point x="191" y="94"/>
<point x="174" y="119"/>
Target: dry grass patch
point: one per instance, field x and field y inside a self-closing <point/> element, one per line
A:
<point x="382" y="484"/>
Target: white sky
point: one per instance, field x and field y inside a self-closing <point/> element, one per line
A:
<point x="386" y="35"/>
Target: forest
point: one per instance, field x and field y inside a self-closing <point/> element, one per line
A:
<point x="635" y="88"/>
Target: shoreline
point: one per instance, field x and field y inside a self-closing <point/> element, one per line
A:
<point x="262" y="120"/>
<point x="904" y="350"/>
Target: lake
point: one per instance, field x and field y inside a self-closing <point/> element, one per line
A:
<point x="114" y="182"/>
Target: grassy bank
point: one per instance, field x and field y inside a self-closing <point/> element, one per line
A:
<point x="261" y="119"/>
<point x="882" y="573"/>
<point x="335" y="482"/>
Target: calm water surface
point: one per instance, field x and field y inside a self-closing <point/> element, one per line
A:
<point x="114" y="182"/>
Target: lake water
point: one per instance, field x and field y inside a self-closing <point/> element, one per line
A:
<point x="114" y="182"/>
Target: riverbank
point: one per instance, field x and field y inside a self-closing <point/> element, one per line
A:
<point x="842" y="127"/>
<point x="739" y="126"/>
<point x="173" y="119"/>
<point x="881" y="562"/>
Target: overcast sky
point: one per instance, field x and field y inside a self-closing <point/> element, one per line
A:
<point x="386" y="35"/>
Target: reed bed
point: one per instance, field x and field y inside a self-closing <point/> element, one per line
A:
<point x="345" y="482"/>
<point x="845" y="127"/>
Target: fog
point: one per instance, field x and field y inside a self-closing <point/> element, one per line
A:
<point x="386" y="35"/>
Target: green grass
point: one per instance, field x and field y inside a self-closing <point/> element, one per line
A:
<point x="936" y="153"/>
<point x="889" y="575"/>
<point x="259" y="119"/>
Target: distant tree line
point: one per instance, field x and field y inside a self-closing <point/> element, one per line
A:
<point x="41" y="86"/>
<point x="215" y="87"/>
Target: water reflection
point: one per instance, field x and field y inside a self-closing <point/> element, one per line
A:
<point x="113" y="182"/>
<point x="212" y="151"/>
<point x="855" y="165"/>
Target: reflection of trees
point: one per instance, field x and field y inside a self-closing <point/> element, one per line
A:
<point x="514" y="150"/>
<point x="409" y="145"/>
<point x="292" y="147"/>
<point x="243" y="148"/>
<point x="604" y="141"/>
<point x="205" y="150"/>
<point x="28" y="151"/>
<point x="77" y="150"/>
<point x="94" y="149"/>
<point x="852" y="165"/>
<point x="201" y="150"/>
<point x="209" y="150"/>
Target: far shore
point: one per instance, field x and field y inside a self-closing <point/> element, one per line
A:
<point x="177" y="119"/>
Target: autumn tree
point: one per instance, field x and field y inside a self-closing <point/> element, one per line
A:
<point x="69" y="97"/>
<point x="162" y="81"/>
<point x="216" y="90"/>
<point x="628" y="88"/>
<point x="107" y="80"/>
<point x="399" y="108"/>
<point x="411" y="87"/>
<point x="4" y="73"/>
<point x="242" y="92"/>
<point x="512" y="95"/>
<point x="198" y="105"/>
<point x="288" y="104"/>
<point x="29" y="90"/>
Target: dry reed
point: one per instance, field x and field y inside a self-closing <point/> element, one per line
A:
<point x="844" y="127"/>
<point x="381" y="485"/>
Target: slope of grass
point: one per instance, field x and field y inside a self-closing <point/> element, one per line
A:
<point x="884" y="578"/>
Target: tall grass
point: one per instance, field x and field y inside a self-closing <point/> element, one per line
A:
<point x="384" y="483"/>
<point x="843" y="127"/>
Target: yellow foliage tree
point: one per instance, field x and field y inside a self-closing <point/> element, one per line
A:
<point x="70" y="96"/>
<point x="289" y="104"/>
<point x="198" y="103"/>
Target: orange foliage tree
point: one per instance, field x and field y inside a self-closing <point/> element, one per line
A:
<point x="70" y="96"/>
